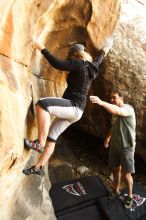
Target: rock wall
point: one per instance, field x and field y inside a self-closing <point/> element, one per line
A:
<point x="124" y="68"/>
<point x="25" y="76"/>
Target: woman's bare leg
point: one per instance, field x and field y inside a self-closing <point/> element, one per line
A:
<point x="43" y="120"/>
<point x="49" y="149"/>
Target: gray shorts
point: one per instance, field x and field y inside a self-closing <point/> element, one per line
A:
<point x="65" y="113"/>
<point x="123" y="158"/>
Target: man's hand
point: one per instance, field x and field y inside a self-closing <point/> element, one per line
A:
<point x="39" y="46"/>
<point x="106" y="142"/>
<point x="95" y="99"/>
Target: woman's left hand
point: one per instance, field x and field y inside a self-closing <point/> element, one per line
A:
<point x="39" y="46"/>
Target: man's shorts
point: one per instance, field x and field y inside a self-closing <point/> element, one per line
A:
<point x="65" y="113"/>
<point x="123" y="158"/>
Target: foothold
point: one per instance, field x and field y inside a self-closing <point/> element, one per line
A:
<point x="38" y="4"/>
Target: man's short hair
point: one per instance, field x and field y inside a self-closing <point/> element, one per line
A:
<point x="116" y="91"/>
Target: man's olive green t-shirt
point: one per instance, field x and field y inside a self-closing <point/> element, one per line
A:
<point x="123" y="130"/>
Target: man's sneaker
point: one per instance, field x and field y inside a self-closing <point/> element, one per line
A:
<point x="114" y="194"/>
<point x="128" y="202"/>
<point x="108" y="45"/>
<point x="35" y="145"/>
<point x="33" y="170"/>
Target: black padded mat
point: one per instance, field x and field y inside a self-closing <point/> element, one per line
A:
<point x="114" y="208"/>
<point x="76" y="194"/>
<point x="87" y="213"/>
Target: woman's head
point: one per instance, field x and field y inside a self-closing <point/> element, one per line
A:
<point x="77" y="51"/>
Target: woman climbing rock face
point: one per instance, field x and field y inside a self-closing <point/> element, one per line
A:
<point x="68" y="109"/>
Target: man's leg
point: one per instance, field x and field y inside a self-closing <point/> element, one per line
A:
<point x="129" y="183"/>
<point x="127" y="169"/>
<point x="117" y="178"/>
<point x="116" y="185"/>
<point x="128" y="201"/>
<point x="115" y="166"/>
<point x="127" y="158"/>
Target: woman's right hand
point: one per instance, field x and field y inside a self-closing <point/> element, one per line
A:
<point x="39" y="46"/>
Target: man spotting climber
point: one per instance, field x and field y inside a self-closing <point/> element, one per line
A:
<point x="122" y="142"/>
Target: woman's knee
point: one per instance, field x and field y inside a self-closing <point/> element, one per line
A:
<point x="41" y="105"/>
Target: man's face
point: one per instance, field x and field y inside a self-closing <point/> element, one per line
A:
<point x="116" y="99"/>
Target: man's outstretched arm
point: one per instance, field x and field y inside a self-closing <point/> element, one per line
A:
<point x="113" y="109"/>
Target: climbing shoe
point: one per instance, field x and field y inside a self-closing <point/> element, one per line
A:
<point x="34" y="145"/>
<point x="128" y="202"/>
<point x="33" y="170"/>
<point x="114" y="194"/>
